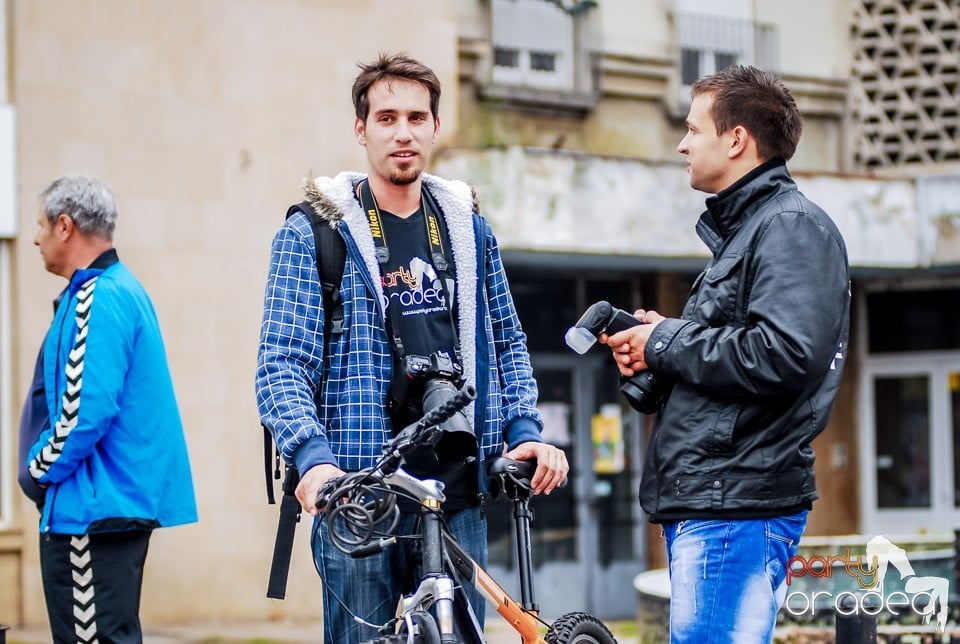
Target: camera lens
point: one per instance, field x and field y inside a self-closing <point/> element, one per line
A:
<point x="458" y="441"/>
<point x="643" y="392"/>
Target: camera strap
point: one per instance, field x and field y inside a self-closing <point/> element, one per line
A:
<point x="436" y="231"/>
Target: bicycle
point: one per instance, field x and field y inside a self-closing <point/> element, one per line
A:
<point x="361" y="511"/>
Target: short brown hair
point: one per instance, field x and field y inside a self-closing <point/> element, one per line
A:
<point x="395" y="66"/>
<point x="757" y="100"/>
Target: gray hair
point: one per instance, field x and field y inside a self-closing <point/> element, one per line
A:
<point x="87" y="201"/>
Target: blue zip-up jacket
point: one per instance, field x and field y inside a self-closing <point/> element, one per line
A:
<point x="113" y="455"/>
<point x="352" y="423"/>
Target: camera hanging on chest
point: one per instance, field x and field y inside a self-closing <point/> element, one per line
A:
<point x="417" y="276"/>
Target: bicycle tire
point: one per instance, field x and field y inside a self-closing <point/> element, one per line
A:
<point x="579" y="628"/>
<point x="428" y="633"/>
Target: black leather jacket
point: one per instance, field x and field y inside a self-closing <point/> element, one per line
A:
<point x="755" y="359"/>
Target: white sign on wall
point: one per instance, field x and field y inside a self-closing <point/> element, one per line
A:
<point x="8" y="177"/>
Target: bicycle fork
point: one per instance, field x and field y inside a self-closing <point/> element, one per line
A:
<point x="520" y="616"/>
<point x="440" y="584"/>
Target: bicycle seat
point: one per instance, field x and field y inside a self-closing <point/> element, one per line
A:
<point x="509" y="475"/>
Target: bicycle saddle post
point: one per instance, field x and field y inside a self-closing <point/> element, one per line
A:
<point x="513" y="478"/>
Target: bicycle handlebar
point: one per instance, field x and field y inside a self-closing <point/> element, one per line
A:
<point x="364" y="500"/>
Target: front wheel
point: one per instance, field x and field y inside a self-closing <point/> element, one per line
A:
<point x="579" y="628"/>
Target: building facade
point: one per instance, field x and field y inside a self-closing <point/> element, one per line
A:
<point x="204" y="116"/>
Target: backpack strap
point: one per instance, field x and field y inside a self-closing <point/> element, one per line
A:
<point x="331" y="253"/>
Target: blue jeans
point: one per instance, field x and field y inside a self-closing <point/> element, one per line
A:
<point x="370" y="587"/>
<point x="728" y="577"/>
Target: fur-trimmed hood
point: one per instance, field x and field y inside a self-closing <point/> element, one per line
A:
<point x="334" y="200"/>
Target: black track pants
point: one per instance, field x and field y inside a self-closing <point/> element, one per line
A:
<point x="92" y="585"/>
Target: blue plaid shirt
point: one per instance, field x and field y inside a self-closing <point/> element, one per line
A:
<point x="347" y="424"/>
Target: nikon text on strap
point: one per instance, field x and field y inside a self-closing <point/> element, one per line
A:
<point x="436" y="231"/>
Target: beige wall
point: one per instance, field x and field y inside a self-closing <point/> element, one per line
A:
<point x="814" y="38"/>
<point x="203" y="117"/>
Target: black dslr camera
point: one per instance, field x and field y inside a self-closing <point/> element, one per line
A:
<point x="642" y="390"/>
<point x="422" y="384"/>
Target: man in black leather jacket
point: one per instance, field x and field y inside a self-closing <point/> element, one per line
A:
<point x="752" y="365"/>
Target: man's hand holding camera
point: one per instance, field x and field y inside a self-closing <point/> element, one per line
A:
<point x="628" y="345"/>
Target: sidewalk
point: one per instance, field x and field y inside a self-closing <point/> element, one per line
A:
<point x="497" y="632"/>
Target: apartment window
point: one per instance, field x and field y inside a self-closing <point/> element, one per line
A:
<point x="697" y="63"/>
<point x="540" y="57"/>
<point x="543" y="61"/>
<point x="541" y="54"/>
<point x="709" y="43"/>
<point x="504" y="57"/>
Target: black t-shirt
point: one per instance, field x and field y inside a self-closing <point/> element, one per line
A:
<point x="422" y="319"/>
<point x="414" y="289"/>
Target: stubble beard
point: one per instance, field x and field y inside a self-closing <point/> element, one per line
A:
<point x="402" y="177"/>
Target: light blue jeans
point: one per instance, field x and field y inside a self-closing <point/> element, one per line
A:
<point x="371" y="586"/>
<point x="728" y="577"/>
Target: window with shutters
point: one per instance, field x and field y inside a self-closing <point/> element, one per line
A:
<point x="541" y="54"/>
<point x="709" y="43"/>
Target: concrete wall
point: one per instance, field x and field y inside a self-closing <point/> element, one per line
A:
<point x="547" y="200"/>
<point x="203" y="117"/>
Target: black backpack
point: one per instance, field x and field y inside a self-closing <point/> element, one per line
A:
<point x="331" y="255"/>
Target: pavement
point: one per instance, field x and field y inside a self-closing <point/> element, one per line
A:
<point x="281" y="632"/>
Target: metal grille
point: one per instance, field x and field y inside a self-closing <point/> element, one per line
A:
<point x="906" y="59"/>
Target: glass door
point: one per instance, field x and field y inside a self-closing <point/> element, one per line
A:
<point x="912" y="433"/>
<point x="587" y="545"/>
<point x="616" y="523"/>
<point x="556" y="539"/>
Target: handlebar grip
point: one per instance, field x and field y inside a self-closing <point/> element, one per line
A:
<point x="446" y="411"/>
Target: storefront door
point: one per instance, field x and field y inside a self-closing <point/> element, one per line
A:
<point x="912" y="462"/>
<point x="587" y="545"/>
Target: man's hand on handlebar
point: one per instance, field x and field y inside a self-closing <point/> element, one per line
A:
<point x="310" y="483"/>
<point x="552" y="466"/>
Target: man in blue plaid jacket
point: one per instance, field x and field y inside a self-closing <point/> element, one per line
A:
<point x="326" y="402"/>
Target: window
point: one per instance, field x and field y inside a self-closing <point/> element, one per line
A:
<point x="697" y="63"/>
<point x="543" y="62"/>
<point x="914" y="320"/>
<point x="910" y="404"/>
<point x="503" y="57"/>
<point x="541" y="53"/>
<point x="541" y="57"/>
<point x="709" y="43"/>
<point x="902" y="412"/>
